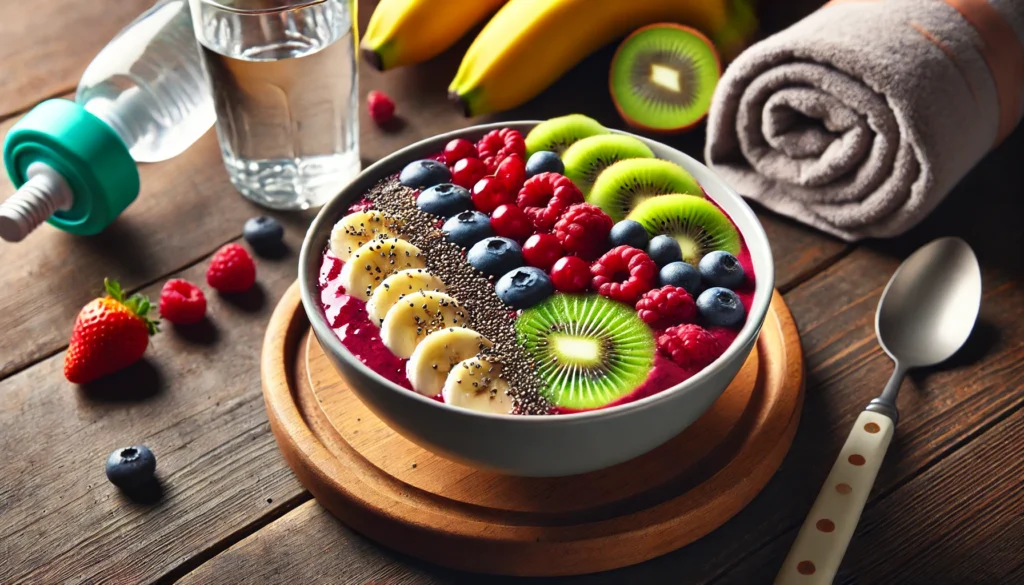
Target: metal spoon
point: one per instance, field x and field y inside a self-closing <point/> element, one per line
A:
<point x="925" y="315"/>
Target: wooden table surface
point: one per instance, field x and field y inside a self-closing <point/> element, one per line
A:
<point x="948" y="506"/>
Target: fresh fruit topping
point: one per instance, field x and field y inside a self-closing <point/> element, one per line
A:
<point x="458" y="149"/>
<point x="376" y="260"/>
<point x="495" y="256"/>
<point x="545" y="196"/>
<point x="628" y="233"/>
<point x="571" y="274"/>
<point x="542" y="250"/>
<point x="689" y="346"/>
<point x="721" y="268"/>
<point x="264" y="234"/>
<point x="720" y="307"/>
<point x="585" y="159"/>
<point x="693" y="221"/>
<point x="181" y="302"/>
<point x="398" y="286"/>
<point x="498" y="144"/>
<point x="544" y="161"/>
<point x="489" y="193"/>
<point x="445" y="200"/>
<point x="666" y="306"/>
<point x="583" y="230"/>
<point x="131" y="468"/>
<point x="664" y="250"/>
<point x="467" y="171"/>
<point x="682" y="275"/>
<point x="512" y="173"/>
<point x="415" y="316"/>
<point x="558" y="134"/>
<point x="231" y="270"/>
<point x="511" y="222"/>
<point x="623" y="274"/>
<point x="438" y="353"/>
<point x="524" y="287"/>
<point x="628" y="183"/>
<point x="589" y="351"/>
<point x="476" y="384"/>
<point x="381" y="107"/>
<point x="663" y="77"/>
<point x="355" y="229"/>
<point x="468" y="228"/>
<point x="110" y="334"/>
<point x="421" y="174"/>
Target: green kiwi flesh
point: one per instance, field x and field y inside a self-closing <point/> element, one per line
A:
<point x="696" y="223"/>
<point x="557" y="134"/>
<point x="589" y="351"/>
<point x="628" y="183"/>
<point x="585" y="159"/>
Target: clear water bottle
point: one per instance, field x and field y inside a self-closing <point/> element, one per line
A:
<point x="144" y="98"/>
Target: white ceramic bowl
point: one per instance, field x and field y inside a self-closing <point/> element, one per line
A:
<point x="537" y="445"/>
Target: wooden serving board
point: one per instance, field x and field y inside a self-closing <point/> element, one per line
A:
<point x="408" y="499"/>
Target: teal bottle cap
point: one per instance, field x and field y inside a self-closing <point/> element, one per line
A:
<point x="90" y="156"/>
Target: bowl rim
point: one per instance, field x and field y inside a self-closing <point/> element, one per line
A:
<point x="334" y="209"/>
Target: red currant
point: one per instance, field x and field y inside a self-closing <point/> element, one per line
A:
<point x="511" y="222"/>
<point x="467" y="171"/>
<point x="541" y="250"/>
<point x="457" y="150"/>
<point x="489" y="193"/>
<point x="512" y="173"/>
<point x="571" y="274"/>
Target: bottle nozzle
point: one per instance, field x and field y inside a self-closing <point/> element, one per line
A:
<point x="45" y="193"/>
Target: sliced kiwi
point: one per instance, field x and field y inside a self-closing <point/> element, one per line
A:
<point x="557" y="134"/>
<point x="589" y="351"/>
<point x="628" y="183"/>
<point x="663" y="76"/>
<point x="696" y="223"/>
<point x="585" y="159"/>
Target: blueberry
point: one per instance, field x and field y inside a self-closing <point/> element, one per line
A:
<point x="468" y="228"/>
<point x="445" y="200"/>
<point x="664" y="250"/>
<point x="720" y="307"/>
<point x="629" y="233"/>
<point x="680" y="274"/>
<point x="131" y="467"/>
<point x="721" y="269"/>
<point x="425" y="173"/>
<point x="524" y="287"/>
<point x="544" y="161"/>
<point x="264" y="234"/>
<point x="495" y="256"/>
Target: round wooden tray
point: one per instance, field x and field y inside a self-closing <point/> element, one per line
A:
<point x="408" y="499"/>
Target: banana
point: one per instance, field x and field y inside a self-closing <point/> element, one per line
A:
<point x="397" y="286"/>
<point x="477" y="384"/>
<point x="529" y="44"/>
<point x="414" y="317"/>
<point x="403" y="32"/>
<point x="435" y="356"/>
<point x="355" y="229"/>
<point x="374" y="261"/>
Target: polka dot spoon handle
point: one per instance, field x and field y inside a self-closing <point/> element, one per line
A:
<point x="822" y="541"/>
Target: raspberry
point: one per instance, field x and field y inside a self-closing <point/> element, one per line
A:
<point x="623" y="274"/>
<point x="689" y="346"/>
<point x="583" y="230"/>
<point x="457" y="150"/>
<point x="545" y="196"/>
<point x="498" y="144"/>
<point x="231" y="270"/>
<point x="512" y="172"/>
<point x="380" y="105"/>
<point x="666" y="306"/>
<point x="181" y="302"/>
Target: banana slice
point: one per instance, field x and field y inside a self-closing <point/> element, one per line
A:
<point x="414" y="317"/>
<point x="436" y="355"/>
<point x="355" y="229"/>
<point x="376" y="260"/>
<point x="477" y="384"/>
<point x="398" y="285"/>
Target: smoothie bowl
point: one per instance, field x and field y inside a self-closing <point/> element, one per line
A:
<point x="537" y="298"/>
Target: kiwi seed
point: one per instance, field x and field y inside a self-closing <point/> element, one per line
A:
<point x="696" y="223"/>
<point x="557" y="134"/>
<point x="585" y="159"/>
<point x="628" y="183"/>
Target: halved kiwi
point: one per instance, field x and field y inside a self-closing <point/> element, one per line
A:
<point x="557" y="134"/>
<point x="628" y="183"/>
<point x="693" y="221"/>
<point x="663" y="76"/>
<point x="589" y="351"/>
<point x="585" y="159"/>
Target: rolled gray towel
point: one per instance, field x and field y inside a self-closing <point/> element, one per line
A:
<point x="859" y="119"/>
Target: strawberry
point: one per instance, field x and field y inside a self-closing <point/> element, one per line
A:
<point x="110" y="334"/>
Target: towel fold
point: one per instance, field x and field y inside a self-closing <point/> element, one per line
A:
<point x="859" y="119"/>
